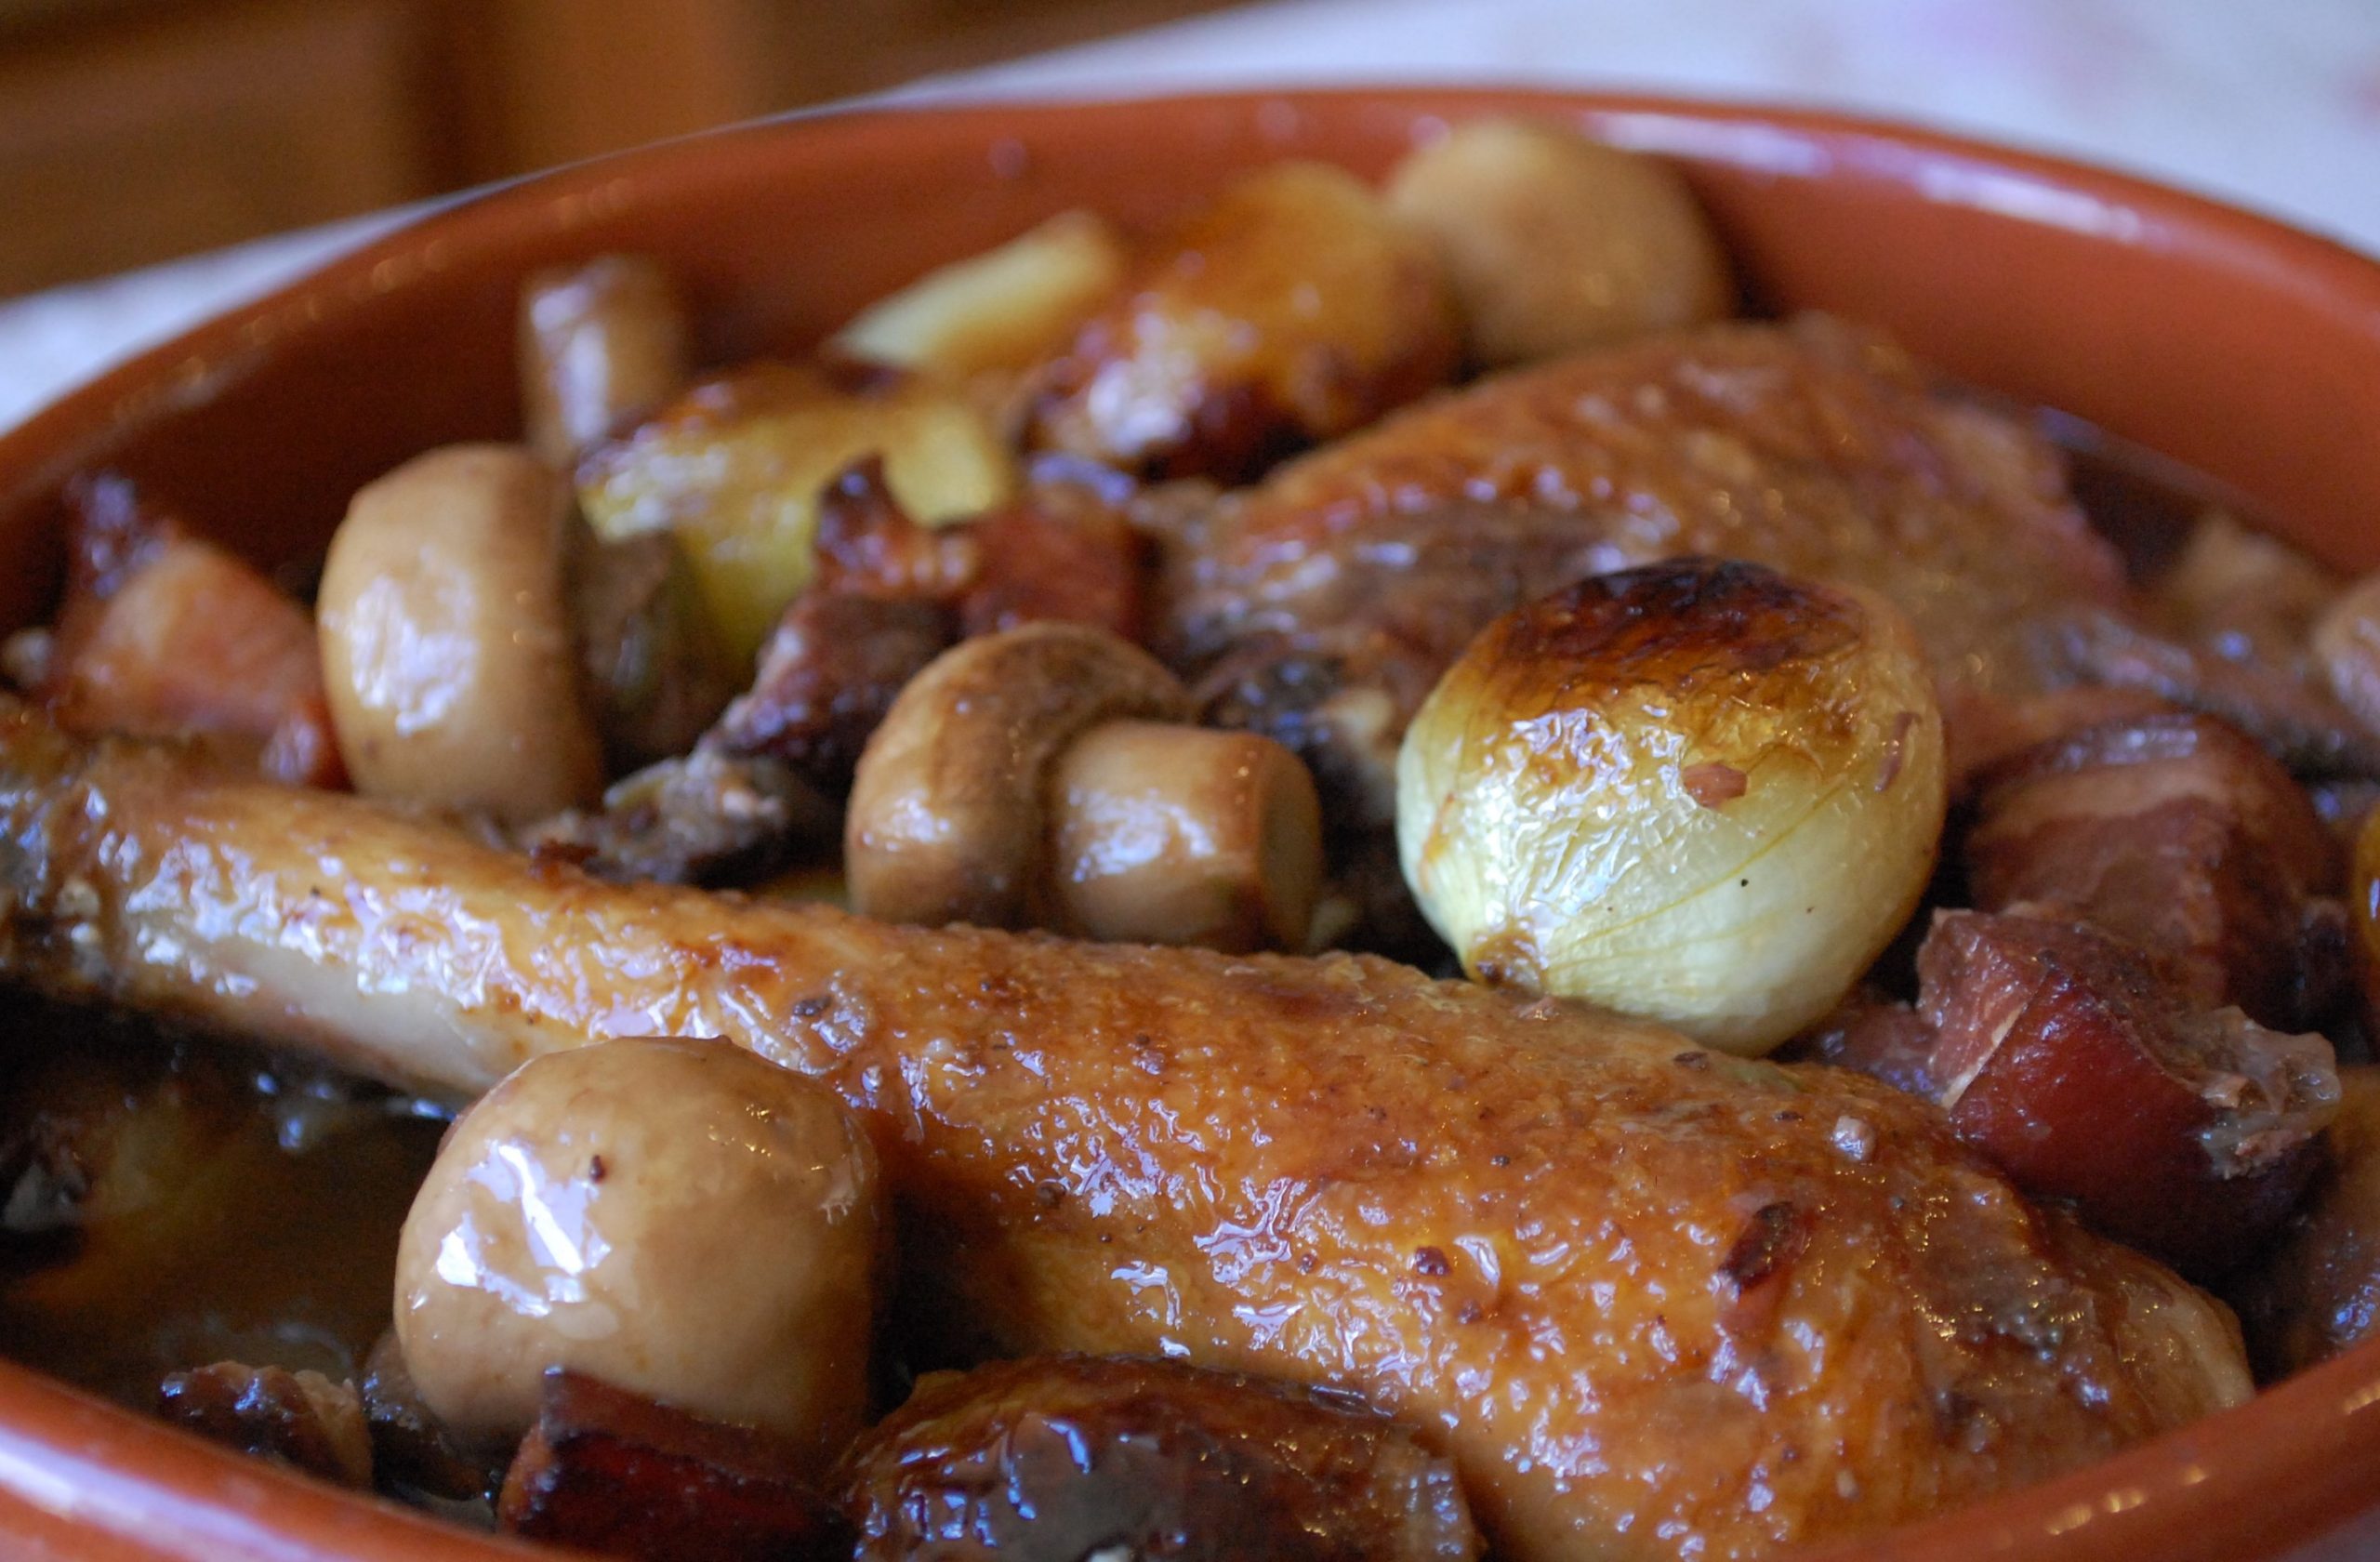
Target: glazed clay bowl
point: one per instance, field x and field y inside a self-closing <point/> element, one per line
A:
<point x="2241" y="347"/>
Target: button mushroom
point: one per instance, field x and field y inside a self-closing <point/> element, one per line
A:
<point x="600" y="343"/>
<point x="1557" y="243"/>
<point x="677" y="1218"/>
<point x="1045" y="777"/>
<point x="1700" y="792"/>
<point x="449" y="655"/>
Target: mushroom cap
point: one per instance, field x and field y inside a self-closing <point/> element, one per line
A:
<point x="1555" y="243"/>
<point x="449" y="656"/>
<point x="949" y="816"/>
<point x="678" y="1218"/>
<point x="599" y="342"/>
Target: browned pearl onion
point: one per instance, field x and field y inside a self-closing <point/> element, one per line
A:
<point x="1044" y="777"/>
<point x="1700" y="792"/>
<point x="1290" y="308"/>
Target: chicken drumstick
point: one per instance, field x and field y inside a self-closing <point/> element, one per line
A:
<point x="1655" y="1302"/>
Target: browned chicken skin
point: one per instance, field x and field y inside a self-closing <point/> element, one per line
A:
<point x="1654" y="1302"/>
<point x="1322" y="604"/>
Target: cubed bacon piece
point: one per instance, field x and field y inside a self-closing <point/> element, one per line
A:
<point x="2178" y="834"/>
<point x="829" y="672"/>
<point x="410" y="1446"/>
<point x="1063" y="550"/>
<point x="301" y="1419"/>
<point x="608" y="1470"/>
<point x="1060" y="552"/>
<point x="867" y="543"/>
<point x="1059" y="1459"/>
<point x="165" y="634"/>
<point x="2069" y="1058"/>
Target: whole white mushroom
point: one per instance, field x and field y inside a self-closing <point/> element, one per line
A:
<point x="450" y="659"/>
<point x="1700" y="792"/>
<point x="680" y="1219"/>
<point x="1558" y="243"/>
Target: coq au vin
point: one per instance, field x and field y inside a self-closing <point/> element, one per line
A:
<point x="1365" y="877"/>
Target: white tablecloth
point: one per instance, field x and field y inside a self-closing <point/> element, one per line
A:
<point x="2274" y="103"/>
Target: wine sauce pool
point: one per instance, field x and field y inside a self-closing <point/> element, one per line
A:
<point x="167" y="1201"/>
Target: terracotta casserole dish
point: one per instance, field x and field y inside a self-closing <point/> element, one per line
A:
<point x="2245" y="349"/>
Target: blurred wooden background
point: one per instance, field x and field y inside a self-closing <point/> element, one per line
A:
<point x="134" y="130"/>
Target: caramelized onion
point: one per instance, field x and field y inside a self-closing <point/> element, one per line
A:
<point x="1700" y="792"/>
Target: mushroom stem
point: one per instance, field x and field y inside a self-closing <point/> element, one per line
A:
<point x="600" y="343"/>
<point x="1169" y="834"/>
<point x="948" y="818"/>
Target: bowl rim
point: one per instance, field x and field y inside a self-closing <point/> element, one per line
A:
<point x="105" y="1482"/>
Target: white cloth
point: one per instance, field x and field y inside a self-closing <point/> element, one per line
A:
<point x="2274" y="105"/>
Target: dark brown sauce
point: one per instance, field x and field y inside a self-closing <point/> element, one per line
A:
<point x="167" y="1201"/>
<point x="2144" y="503"/>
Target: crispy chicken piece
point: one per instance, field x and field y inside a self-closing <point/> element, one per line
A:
<point x="1654" y="1302"/>
<point x="301" y="1419"/>
<point x="1323" y="605"/>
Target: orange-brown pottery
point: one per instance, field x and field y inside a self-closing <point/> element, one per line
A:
<point x="2220" y="339"/>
